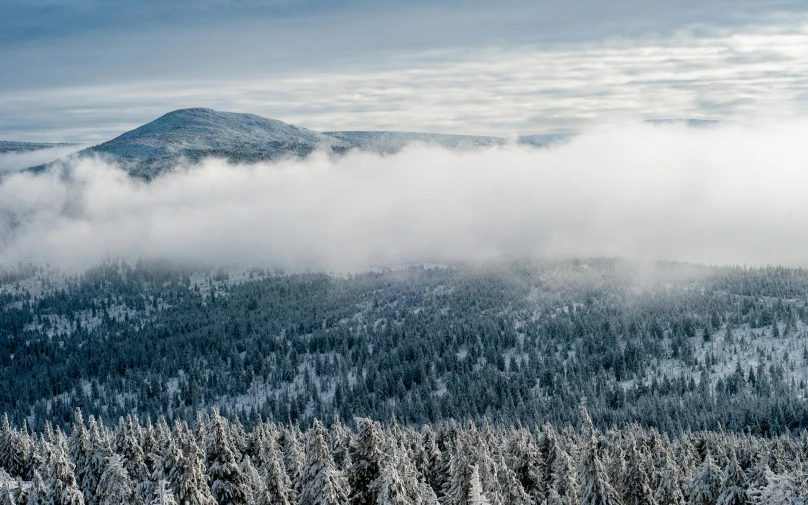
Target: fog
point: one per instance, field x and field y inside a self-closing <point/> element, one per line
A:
<point x="720" y="195"/>
<point x="15" y="161"/>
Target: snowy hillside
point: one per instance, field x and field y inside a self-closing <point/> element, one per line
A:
<point x="190" y="135"/>
<point x="668" y="345"/>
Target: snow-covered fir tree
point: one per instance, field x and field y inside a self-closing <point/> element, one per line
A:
<point x="38" y="490"/>
<point x="163" y="494"/>
<point x="366" y="458"/>
<point x="595" y="488"/>
<point x="323" y="484"/>
<point x="63" y="489"/>
<point x="294" y="458"/>
<point x="114" y="486"/>
<point x="734" y="486"/>
<point x="706" y="485"/>
<point x="527" y="463"/>
<point x="7" y="494"/>
<point x="637" y="491"/>
<point x="14" y="449"/>
<point x="669" y="490"/>
<point x="476" y="496"/>
<point x="227" y="482"/>
<point x="278" y="485"/>
<point x="188" y="477"/>
<point x="388" y="487"/>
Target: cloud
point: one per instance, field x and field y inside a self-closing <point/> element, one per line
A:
<point x="518" y="86"/>
<point x="726" y="194"/>
<point x="14" y="161"/>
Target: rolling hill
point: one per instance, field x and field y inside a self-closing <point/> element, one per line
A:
<point x="187" y="136"/>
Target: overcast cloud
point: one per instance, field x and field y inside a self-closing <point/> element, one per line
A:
<point x="729" y="195"/>
<point x="87" y="71"/>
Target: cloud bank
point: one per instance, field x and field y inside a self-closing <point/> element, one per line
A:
<point x="727" y="194"/>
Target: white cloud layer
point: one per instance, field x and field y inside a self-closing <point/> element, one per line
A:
<point x="727" y="194"/>
<point x="748" y="74"/>
<point x="14" y="161"/>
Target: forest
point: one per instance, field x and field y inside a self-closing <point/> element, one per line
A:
<point x="581" y="381"/>
<point x="667" y="345"/>
<point x="213" y="461"/>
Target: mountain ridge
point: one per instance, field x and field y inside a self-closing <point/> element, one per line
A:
<point x="190" y="135"/>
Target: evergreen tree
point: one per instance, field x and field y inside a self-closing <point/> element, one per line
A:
<point x="6" y="494"/>
<point x="256" y="485"/>
<point x="637" y="490"/>
<point x="595" y="488"/>
<point x="38" y="492"/>
<point x="456" y="488"/>
<point x="278" y="485"/>
<point x="528" y="464"/>
<point x="434" y="476"/>
<point x="548" y="447"/>
<point x="227" y="483"/>
<point x="115" y="486"/>
<point x="22" y="494"/>
<point x="163" y="495"/>
<point x="780" y="490"/>
<point x="734" y="485"/>
<point x="100" y="452"/>
<point x="14" y="448"/>
<point x="63" y="487"/>
<point x="322" y="482"/>
<point x="706" y="485"/>
<point x="190" y="485"/>
<point x="366" y="461"/>
<point x="565" y="479"/>
<point x="669" y="491"/>
<point x="476" y="496"/>
<point x="293" y="458"/>
<point x="388" y="488"/>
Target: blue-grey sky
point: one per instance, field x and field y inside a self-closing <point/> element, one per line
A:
<point x="87" y="70"/>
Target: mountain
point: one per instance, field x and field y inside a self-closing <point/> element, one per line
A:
<point x="7" y="146"/>
<point x="189" y="135"/>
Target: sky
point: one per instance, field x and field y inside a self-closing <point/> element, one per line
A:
<point x="87" y="70"/>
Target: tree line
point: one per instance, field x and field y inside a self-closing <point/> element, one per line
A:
<point x="217" y="462"/>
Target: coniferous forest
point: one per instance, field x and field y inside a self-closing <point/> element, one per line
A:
<point x="584" y="381"/>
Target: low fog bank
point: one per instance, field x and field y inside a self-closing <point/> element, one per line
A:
<point x="721" y="195"/>
<point x="16" y="161"/>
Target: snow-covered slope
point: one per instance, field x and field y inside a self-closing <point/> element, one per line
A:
<point x="188" y="135"/>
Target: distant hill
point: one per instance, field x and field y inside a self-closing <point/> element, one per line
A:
<point x="190" y="135"/>
<point x="389" y="142"/>
<point x="25" y="147"/>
